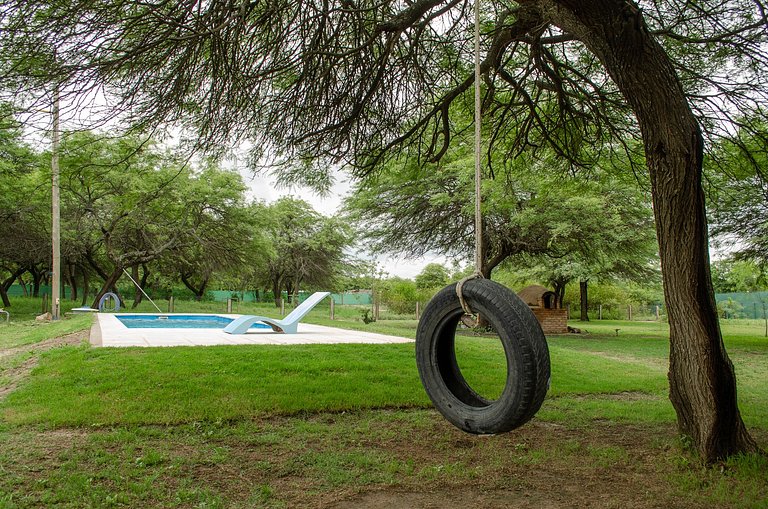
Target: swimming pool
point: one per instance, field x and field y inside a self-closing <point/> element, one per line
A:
<point x="179" y="322"/>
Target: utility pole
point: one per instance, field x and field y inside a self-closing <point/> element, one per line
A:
<point x="55" y="212"/>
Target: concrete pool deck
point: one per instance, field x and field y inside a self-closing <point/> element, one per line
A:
<point x="108" y="331"/>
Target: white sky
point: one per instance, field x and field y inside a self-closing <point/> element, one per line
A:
<point x="263" y="188"/>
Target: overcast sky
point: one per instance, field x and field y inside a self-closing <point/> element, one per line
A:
<point x="262" y="188"/>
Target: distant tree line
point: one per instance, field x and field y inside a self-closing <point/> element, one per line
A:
<point x="127" y="205"/>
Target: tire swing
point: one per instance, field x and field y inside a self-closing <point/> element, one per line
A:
<point x="525" y="348"/>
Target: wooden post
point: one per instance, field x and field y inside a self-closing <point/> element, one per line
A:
<point x="418" y="314"/>
<point x="55" y="211"/>
<point x="568" y="311"/>
<point x="282" y="307"/>
<point x="45" y="304"/>
<point x="599" y="311"/>
<point x="629" y="309"/>
<point x="658" y="314"/>
<point x="332" y="309"/>
<point x="170" y="304"/>
<point x="229" y="305"/>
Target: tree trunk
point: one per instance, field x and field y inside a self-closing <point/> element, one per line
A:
<point x="71" y="281"/>
<point x="5" y="285"/>
<point x="701" y="376"/>
<point x="558" y="287"/>
<point x="137" y="295"/>
<point x="584" y="303"/>
<point x="109" y="284"/>
<point x="37" y="279"/>
<point x="199" y="291"/>
<point x="276" y="292"/>
<point x="86" y="285"/>
<point x="145" y="272"/>
<point x="23" y="286"/>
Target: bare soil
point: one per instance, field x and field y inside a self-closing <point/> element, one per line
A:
<point x="17" y="373"/>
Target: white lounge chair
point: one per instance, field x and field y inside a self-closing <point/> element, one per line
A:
<point x="288" y="325"/>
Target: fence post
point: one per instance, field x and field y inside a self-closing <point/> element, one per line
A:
<point x="418" y="313"/>
<point x="599" y="311"/>
<point x="170" y="304"/>
<point x="629" y="308"/>
<point x="657" y="313"/>
<point x="332" y="308"/>
<point x="282" y="307"/>
<point x="229" y="305"/>
<point x="568" y="311"/>
<point x="45" y="303"/>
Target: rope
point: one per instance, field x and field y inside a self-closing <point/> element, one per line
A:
<point x="478" y="174"/>
<point x="460" y="287"/>
<point x="478" y="124"/>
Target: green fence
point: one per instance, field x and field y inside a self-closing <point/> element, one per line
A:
<point x="341" y="299"/>
<point x="742" y="305"/>
<point x="18" y="291"/>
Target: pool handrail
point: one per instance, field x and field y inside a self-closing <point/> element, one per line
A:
<point x="287" y="325"/>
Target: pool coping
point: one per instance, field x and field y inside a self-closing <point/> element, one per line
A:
<point x="108" y="331"/>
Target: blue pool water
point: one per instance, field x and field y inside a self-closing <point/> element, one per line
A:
<point x="179" y="322"/>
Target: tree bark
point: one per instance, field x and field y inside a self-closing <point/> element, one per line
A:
<point x="109" y="284"/>
<point x="137" y="295"/>
<point x="37" y="279"/>
<point x="5" y="285"/>
<point x="276" y="292"/>
<point x="701" y="376"/>
<point x="584" y="303"/>
<point x="86" y="285"/>
<point x="71" y="281"/>
<point x="23" y="286"/>
<point x="199" y="291"/>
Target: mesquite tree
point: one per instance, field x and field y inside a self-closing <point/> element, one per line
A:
<point x="360" y="81"/>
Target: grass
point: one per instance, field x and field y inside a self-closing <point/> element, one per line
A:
<point x="276" y="426"/>
<point x="20" y="333"/>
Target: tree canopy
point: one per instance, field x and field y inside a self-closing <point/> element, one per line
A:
<point x="128" y="205"/>
<point x="738" y="184"/>
<point x="361" y="82"/>
<point x="533" y="213"/>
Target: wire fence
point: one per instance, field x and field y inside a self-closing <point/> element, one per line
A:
<point x="742" y="305"/>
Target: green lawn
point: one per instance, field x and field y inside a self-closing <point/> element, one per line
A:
<point x="86" y="386"/>
<point x="138" y="426"/>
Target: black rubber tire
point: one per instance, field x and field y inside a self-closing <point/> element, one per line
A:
<point x="525" y="347"/>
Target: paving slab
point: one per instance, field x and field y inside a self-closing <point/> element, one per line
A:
<point x="108" y="331"/>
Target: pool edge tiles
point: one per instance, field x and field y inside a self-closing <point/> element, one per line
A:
<point x="108" y="331"/>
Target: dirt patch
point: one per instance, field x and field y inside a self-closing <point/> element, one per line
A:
<point x="616" y="396"/>
<point x="541" y="465"/>
<point x="14" y="375"/>
<point x="362" y="460"/>
<point x="433" y="465"/>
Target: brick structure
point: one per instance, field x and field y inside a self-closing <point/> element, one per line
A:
<point x="543" y="303"/>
